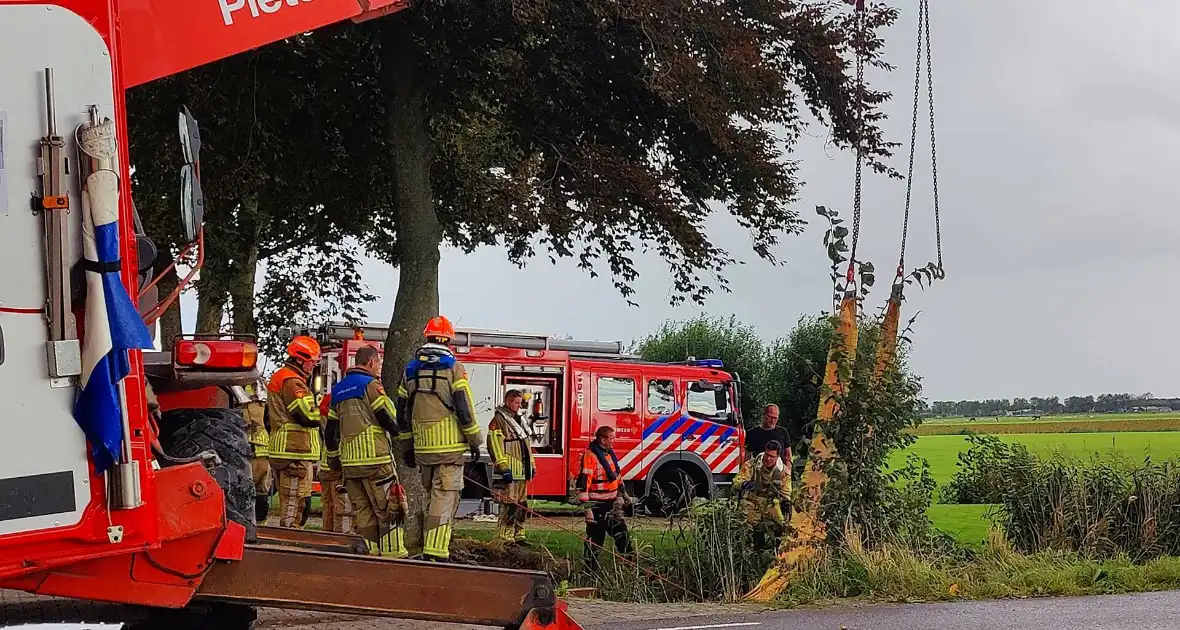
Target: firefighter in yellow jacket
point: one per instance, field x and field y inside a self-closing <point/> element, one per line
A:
<point x="294" y="422"/>
<point x="764" y="485"/>
<point x="254" y="415"/>
<point x="435" y="411"/>
<point x="360" y="424"/>
<point x="509" y="448"/>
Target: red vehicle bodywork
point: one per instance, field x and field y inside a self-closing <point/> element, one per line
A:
<point x="646" y="439"/>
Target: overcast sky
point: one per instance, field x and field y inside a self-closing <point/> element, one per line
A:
<point x="1058" y="125"/>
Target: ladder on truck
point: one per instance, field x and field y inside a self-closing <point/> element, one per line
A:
<point x="337" y="331"/>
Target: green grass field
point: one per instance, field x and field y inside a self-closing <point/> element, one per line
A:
<point x="942" y="451"/>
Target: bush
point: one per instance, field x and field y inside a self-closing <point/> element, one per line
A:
<point x="1101" y="508"/>
<point x="984" y="469"/>
<point x="705" y="555"/>
<point x="873" y="419"/>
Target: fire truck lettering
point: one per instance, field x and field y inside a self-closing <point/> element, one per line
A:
<point x="257" y="7"/>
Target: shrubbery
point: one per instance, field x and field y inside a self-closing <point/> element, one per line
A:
<point x="1102" y="507"/>
<point x="982" y="475"/>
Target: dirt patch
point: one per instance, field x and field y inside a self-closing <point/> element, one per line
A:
<point x="509" y="556"/>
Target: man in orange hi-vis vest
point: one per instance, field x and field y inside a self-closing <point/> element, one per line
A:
<point x="603" y="497"/>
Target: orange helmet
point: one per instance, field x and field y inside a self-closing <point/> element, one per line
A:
<point x="303" y="347"/>
<point x="439" y="327"/>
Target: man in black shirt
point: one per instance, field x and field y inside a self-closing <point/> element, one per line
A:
<point x="758" y="437"/>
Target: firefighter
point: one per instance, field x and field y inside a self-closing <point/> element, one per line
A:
<point x="603" y="497"/>
<point x="509" y="448"/>
<point x="338" y="513"/>
<point x="360" y="424"/>
<point x="764" y="484"/>
<point x="435" y="411"/>
<point x="295" y="429"/>
<point x="254" y="415"/>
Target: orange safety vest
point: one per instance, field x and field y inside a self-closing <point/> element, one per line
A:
<point x="600" y="477"/>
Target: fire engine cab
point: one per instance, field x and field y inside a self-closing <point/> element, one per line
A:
<point x="678" y="425"/>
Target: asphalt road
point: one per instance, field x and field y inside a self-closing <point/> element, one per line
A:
<point x="1148" y="611"/>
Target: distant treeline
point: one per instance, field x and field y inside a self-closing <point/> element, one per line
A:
<point x="1105" y="403"/>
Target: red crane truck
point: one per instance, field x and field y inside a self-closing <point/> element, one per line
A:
<point x="103" y="496"/>
<point x="678" y="425"/>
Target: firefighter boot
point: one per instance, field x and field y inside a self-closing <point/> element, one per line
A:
<point x="261" y="509"/>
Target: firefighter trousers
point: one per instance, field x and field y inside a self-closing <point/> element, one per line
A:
<point x="511" y="501"/>
<point x="767" y="518"/>
<point x="263" y="479"/>
<point x="607" y="521"/>
<point x="443" y="484"/>
<point x="294" y="486"/>
<point x="378" y="518"/>
<point x="338" y="510"/>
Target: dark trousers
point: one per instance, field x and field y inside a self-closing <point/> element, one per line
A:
<point x="607" y="521"/>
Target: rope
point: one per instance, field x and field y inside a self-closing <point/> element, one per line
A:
<point x="923" y="45"/>
<point x="618" y="557"/>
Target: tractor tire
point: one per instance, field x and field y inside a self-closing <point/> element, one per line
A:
<point x="188" y="432"/>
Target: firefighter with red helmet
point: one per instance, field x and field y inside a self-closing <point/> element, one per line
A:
<point x="294" y="420"/>
<point x="437" y="417"/>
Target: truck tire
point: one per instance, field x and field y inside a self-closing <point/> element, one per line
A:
<point x="188" y="432"/>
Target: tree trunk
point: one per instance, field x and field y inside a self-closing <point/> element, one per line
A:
<point x="405" y="90"/>
<point x="244" y="269"/>
<point x="210" y="306"/>
<point x="171" y="324"/>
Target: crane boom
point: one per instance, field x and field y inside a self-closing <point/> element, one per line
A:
<point x="160" y="38"/>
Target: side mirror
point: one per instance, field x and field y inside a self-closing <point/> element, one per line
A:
<point x="192" y="199"/>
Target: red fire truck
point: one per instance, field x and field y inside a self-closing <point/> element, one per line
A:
<point x="678" y="425"/>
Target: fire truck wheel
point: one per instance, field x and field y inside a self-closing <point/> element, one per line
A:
<point x="671" y="491"/>
<point x="189" y="432"/>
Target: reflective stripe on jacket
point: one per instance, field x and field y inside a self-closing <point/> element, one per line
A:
<point x="508" y="447"/>
<point x="254" y="414"/>
<point x="774" y="483"/>
<point x="435" y="398"/>
<point x="356" y="401"/>
<point x="288" y="396"/>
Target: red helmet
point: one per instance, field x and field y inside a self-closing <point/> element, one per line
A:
<point x="439" y="327"/>
<point x="303" y="347"/>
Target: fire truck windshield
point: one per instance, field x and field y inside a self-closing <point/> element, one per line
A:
<point x="710" y="401"/>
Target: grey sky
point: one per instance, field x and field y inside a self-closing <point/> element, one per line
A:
<point x="1057" y="126"/>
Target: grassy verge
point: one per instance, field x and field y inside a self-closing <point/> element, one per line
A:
<point x="900" y="575"/>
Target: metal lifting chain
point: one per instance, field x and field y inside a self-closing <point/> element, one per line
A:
<point x="860" y="35"/>
<point x="923" y="44"/>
